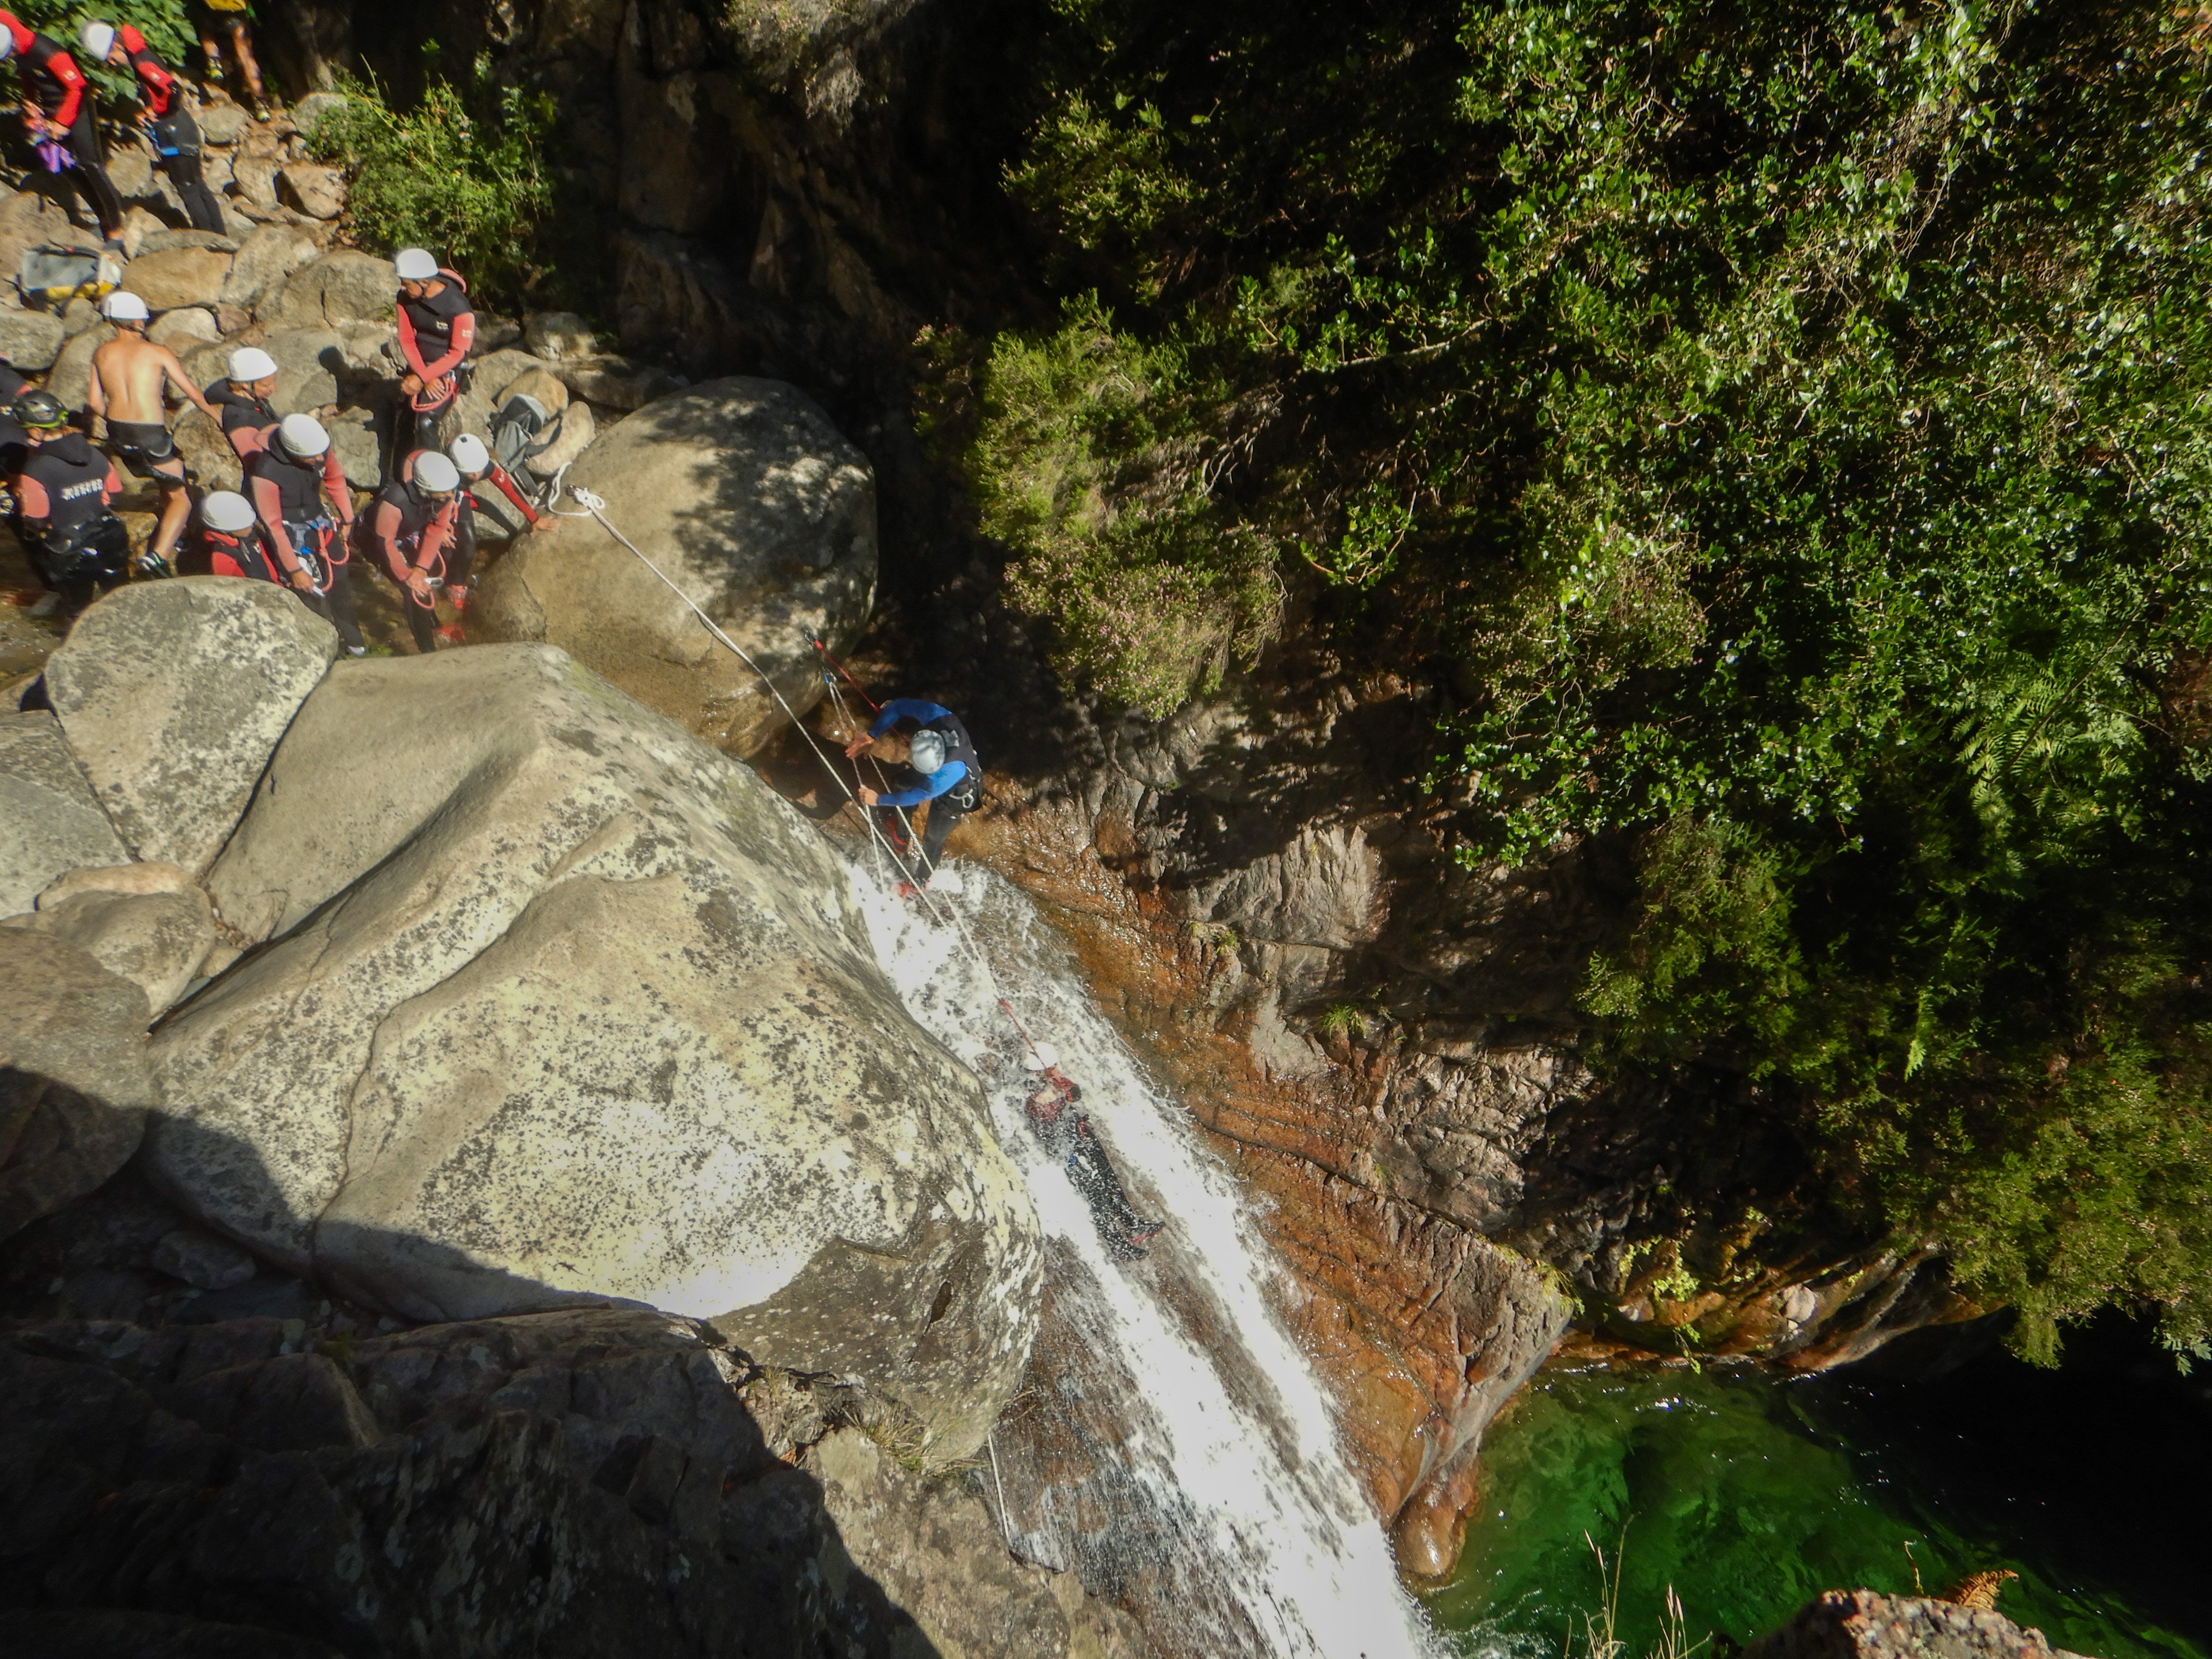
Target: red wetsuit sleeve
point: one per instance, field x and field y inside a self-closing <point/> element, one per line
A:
<point x="334" y="487"/>
<point x="23" y="36"/>
<point x="500" y="476"/>
<point x="383" y="526"/>
<point x="113" y="485"/>
<point x="247" y="441"/>
<point x="159" y="85"/>
<point x="464" y="336"/>
<point x="408" y="348"/>
<point x="31" y="496"/>
<point x="435" y="535"/>
<point x="270" y="505"/>
<point x="64" y="68"/>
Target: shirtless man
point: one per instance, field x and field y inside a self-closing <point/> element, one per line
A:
<point x="130" y="378"/>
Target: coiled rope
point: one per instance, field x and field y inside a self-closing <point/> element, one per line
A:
<point x="595" y="506"/>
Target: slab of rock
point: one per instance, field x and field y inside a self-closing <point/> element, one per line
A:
<point x="173" y="694"/>
<point x="541" y="383"/>
<point x="200" y="1260"/>
<point x="1862" y="1625"/>
<point x="254" y="180"/>
<point x="178" y="276"/>
<point x="557" y="335"/>
<point x="139" y="224"/>
<point x="222" y="124"/>
<point x="74" y="1085"/>
<point x="616" y="382"/>
<point x="357" y="435"/>
<point x="572" y="1486"/>
<point x="562" y="1005"/>
<point x="130" y="170"/>
<point x="314" y="106"/>
<point x="184" y="328"/>
<point x="28" y="220"/>
<point x="157" y="941"/>
<point x="749" y="499"/>
<point x="317" y="191"/>
<point x="49" y="821"/>
<point x="70" y="378"/>
<point x="205" y="450"/>
<point x="162" y="240"/>
<point x="264" y="260"/>
<point x="342" y="286"/>
<point x="309" y="362"/>
<point x="579" y="427"/>
<point x="30" y="340"/>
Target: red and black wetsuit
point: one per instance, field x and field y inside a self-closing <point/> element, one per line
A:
<point x="218" y="553"/>
<point x="304" y="513"/>
<point x="52" y="81"/>
<point x="462" y="560"/>
<point x="435" y="334"/>
<point x="62" y="498"/>
<point x="247" y="420"/>
<point x="407" y="532"/>
<point x="169" y="125"/>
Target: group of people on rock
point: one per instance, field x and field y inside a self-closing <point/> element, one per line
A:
<point x="294" y="520"/>
<point x="61" y="113"/>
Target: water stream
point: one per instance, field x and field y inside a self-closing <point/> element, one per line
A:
<point x="1173" y="1443"/>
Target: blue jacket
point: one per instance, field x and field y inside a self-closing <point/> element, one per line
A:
<point x="933" y="784"/>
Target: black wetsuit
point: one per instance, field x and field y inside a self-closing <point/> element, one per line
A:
<point x="242" y="412"/>
<point x="40" y="64"/>
<point x="73" y="541"/>
<point x="1067" y="1135"/>
<point x="175" y="134"/>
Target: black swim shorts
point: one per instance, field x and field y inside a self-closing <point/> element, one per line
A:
<point x="141" y="445"/>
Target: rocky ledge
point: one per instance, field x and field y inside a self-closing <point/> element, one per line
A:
<point x="1861" y="1624"/>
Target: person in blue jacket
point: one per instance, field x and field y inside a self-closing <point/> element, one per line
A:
<point x="940" y="754"/>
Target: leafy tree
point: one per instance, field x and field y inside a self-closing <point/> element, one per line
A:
<point x="1795" y="419"/>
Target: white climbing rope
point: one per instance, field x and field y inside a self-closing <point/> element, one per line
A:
<point x="595" y="508"/>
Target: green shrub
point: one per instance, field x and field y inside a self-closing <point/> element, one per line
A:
<point x="1791" y="419"/>
<point x="462" y="173"/>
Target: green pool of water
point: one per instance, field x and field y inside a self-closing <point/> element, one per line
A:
<point x="1744" y="1496"/>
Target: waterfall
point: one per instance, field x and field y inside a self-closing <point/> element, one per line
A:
<point x="1173" y="1443"/>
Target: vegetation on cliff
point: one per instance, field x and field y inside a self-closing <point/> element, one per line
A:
<point x="1793" y="420"/>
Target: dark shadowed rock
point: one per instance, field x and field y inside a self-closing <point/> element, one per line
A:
<point x="583" y="1484"/>
<point x="74" y="1085"/>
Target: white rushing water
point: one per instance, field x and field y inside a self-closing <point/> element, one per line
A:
<point x="1228" y="1498"/>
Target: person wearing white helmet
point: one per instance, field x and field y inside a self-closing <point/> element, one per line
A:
<point x="940" y="756"/>
<point x="243" y="396"/>
<point x="437" y="326"/>
<point x="1067" y="1134"/>
<point x="131" y="379"/>
<point x="409" y="530"/>
<point x="472" y="459"/>
<point x="226" y="539"/>
<point x="299" y="493"/>
<point x="171" y="133"/>
<point x="61" y="120"/>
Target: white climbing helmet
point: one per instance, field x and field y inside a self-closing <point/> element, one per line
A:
<point x="415" y="264"/>
<point x="468" y="453"/>
<point x="123" y="306"/>
<point x="98" y="40"/>
<point x="7" y="45"/>
<point x="925" y="750"/>
<point x="302" y="436"/>
<point x="227" y="511"/>
<point x="1042" y="1057"/>
<point x="434" y="473"/>
<point x="249" y="364"/>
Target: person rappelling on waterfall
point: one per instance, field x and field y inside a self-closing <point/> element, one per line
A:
<point x="1067" y="1135"/>
<point x="948" y="777"/>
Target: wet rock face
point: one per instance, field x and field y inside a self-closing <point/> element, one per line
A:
<point x="560" y="1005"/>
<point x="1861" y="1624"/>
<point x="750" y="502"/>
<point x="581" y="1483"/>
<point x="54" y="823"/>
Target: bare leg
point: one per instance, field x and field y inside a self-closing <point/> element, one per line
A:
<point x="242" y="39"/>
<point x="176" y="507"/>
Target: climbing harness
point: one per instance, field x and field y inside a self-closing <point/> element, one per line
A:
<point x="595" y="508"/>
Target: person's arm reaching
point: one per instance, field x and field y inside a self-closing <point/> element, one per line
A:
<point x="334" y="489"/>
<point x="408" y="347"/>
<point x="500" y="476"/>
<point x="906" y="709"/>
<point x="160" y="85"/>
<point x="34" y="505"/>
<point x="175" y="372"/>
<point x="944" y="777"/>
<point x="112" y="487"/>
